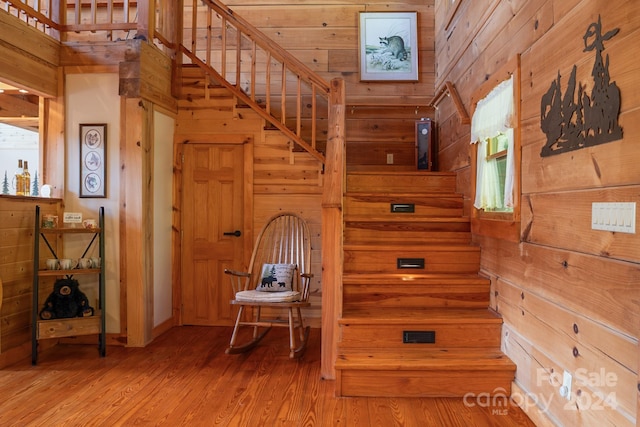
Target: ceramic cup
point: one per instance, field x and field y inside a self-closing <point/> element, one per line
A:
<point x="90" y="223"/>
<point x="45" y="191"/>
<point x="67" y="264"/>
<point x="95" y="262"/>
<point x="84" y="263"/>
<point x="51" y="264"/>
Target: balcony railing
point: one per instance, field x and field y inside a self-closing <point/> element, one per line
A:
<point x="75" y="19"/>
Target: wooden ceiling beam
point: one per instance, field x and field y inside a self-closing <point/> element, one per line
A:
<point x="18" y="105"/>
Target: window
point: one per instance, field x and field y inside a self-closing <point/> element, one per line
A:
<point x="19" y="137"/>
<point x="496" y="155"/>
<point x="492" y="130"/>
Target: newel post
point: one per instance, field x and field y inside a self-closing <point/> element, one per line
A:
<point x="146" y="19"/>
<point x="332" y="256"/>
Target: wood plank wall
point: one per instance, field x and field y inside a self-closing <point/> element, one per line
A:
<point x="325" y="37"/>
<point x="17" y="216"/>
<point x="28" y="59"/>
<point x="381" y="115"/>
<point x="568" y="294"/>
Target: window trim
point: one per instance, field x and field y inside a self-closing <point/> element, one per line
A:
<point x="501" y="225"/>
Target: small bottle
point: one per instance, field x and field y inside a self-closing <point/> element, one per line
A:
<point x="19" y="179"/>
<point x="26" y="179"/>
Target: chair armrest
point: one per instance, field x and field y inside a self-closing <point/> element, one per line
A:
<point x="304" y="288"/>
<point x="237" y="282"/>
<point x="237" y="273"/>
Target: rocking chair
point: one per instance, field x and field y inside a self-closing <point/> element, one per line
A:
<point x="278" y="278"/>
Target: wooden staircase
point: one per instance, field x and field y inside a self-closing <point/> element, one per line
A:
<point x="416" y="318"/>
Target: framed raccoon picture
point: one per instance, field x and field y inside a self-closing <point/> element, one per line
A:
<point x="388" y="46"/>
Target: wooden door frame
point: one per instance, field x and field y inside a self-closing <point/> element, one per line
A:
<point x="178" y="180"/>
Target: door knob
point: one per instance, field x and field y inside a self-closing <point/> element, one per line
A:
<point x="236" y="233"/>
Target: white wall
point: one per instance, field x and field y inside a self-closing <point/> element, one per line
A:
<point x="93" y="98"/>
<point x="163" y="130"/>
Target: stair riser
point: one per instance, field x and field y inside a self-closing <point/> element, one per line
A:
<point x="459" y="335"/>
<point x="425" y="383"/>
<point x="380" y="261"/>
<point x="402" y="183"/>
<point x="387" y="209"/>
<point x="359" y="235"/>
<point x="407" y="226"/>
<point x="407" y="296"/>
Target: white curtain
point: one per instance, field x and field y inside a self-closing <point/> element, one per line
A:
<point x="510" y="175"/>
<point x="493" y="115"/>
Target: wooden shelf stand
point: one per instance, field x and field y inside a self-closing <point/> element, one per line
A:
<point x="74" y="326"/>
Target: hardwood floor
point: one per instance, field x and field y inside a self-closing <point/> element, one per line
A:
<point x="185" y="378"/>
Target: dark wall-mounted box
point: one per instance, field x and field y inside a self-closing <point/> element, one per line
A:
<point x="425" y="159"/>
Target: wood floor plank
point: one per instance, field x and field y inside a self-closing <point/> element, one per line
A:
<point x="185" y="378"/>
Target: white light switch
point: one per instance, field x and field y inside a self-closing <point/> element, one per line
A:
<point x="389" y="158"/>
<point x="617" y="216"/>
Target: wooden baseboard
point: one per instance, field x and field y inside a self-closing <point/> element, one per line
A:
<point x="22" y="352"/>
<point x="534" y="413"/>
<point x="163" y="327"/>
<point x="15" y="355"/>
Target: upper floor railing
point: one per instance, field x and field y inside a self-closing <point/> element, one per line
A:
<point x="77" y="19"/>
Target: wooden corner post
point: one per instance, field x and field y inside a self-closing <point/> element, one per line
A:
<point x="332" y="225"/>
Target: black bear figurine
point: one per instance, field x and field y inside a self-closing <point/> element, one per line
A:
<point x="66" y="300"/>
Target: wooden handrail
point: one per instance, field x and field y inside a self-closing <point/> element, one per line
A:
<point x="28" y="13"/>
<point x="448" y="89"/>
<point x="215" y="60"/>
<point x="265" y="42"/>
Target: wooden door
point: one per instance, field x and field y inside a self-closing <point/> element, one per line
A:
<point x="212" y="212"/>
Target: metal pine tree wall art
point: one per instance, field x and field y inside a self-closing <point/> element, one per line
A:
<point x="573" y="122"/>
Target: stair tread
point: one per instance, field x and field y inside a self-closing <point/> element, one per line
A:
<point x="412" y="173"/>
<point x="440" y="241"/>
<point x="399" y="316"/>
<point x="403" y="195"/>
<point x="414" y="356"/>
<point x="405" y="218"/>
<point x="400" y="247"/>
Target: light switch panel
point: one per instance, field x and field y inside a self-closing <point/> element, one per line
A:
<point x="615" y="216"/>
